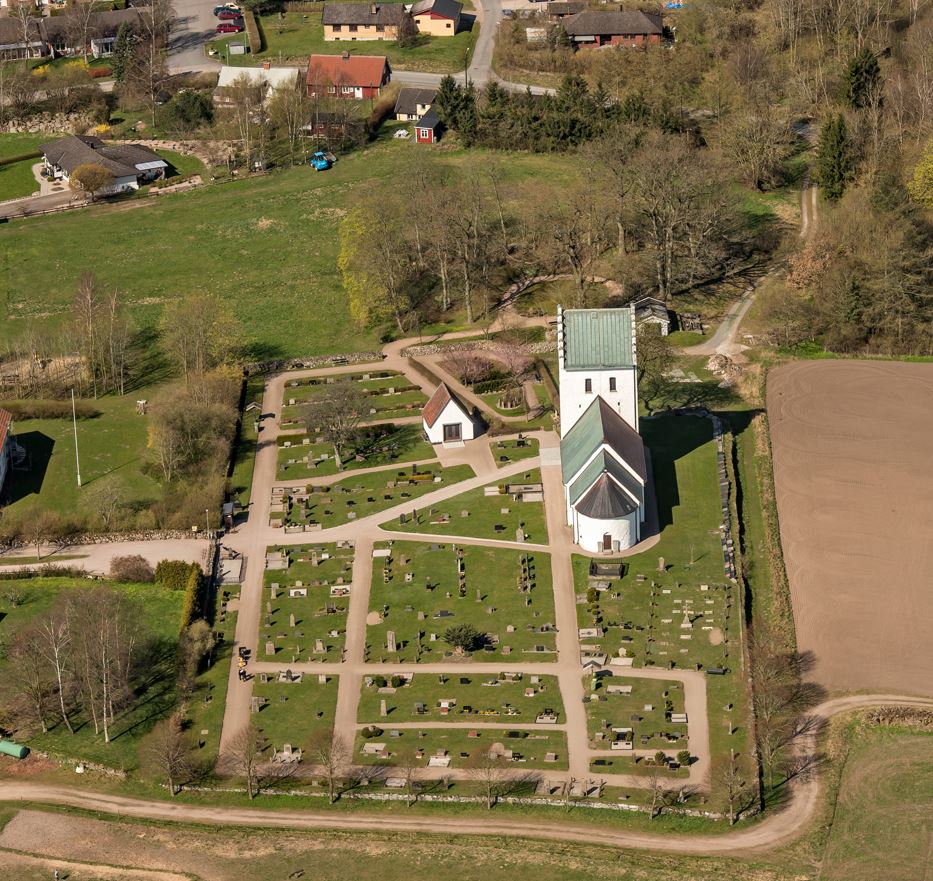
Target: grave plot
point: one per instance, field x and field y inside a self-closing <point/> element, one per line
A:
<point x="301" y="456"/>
<point x="290" y="709"/>
<point x="513" y="450"/>
<point x="391" y="394"/>
<point x="512" y="510"/>
<point x="306" y="508"/>
<point x="625" y="714"/>
<point x="460" y="748"/>
<point x="440" y="602"/>
<point x="651" y="619"/>
<point x="460" y="698"/>
<point x="305" y="602"/>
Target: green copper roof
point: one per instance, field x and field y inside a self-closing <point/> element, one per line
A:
<point x="597" y="338"/>
<point x="599" y="425"/>
<point x="603" y="462"/>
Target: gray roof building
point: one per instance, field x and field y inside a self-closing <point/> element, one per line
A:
<point x="443" y="8"/>
<point x="365" y="14"/>
<point x="409" y="99"/>
<point x="121" y="160"/>
<point x="625" y="23"/>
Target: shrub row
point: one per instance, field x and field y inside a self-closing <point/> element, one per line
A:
<point x="252" y="32"/>
<point x="20" y="157"/>
<point x="490" y="385"/>
<point x="49" y="409"/>
<point x="174" y="574"/>
<point x="193" y="595"/>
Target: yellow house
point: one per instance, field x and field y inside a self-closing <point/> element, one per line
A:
<point x="362" y="21"/>
<point x="439" y="18"/>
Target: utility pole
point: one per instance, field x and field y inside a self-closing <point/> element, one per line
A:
<point x="207" y="521"/>
<point x="74" y="419"/>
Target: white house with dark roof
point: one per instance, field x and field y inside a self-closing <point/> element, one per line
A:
<point x="413" y="103"/>
<point x="446" y="419"/>
<point x="130" y="164"/>
<point x="603" y="460"/>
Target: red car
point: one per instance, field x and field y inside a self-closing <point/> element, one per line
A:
<point x="229" y="27"/>
<point x="229" y="14"/>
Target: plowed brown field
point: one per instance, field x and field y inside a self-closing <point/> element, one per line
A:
<point x="853" y="470"/>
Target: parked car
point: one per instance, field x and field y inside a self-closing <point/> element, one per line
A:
<point x="229" y="27"/>
<point x="225" y="6"/>
<point x="322" y="160"/>
<point x="229" y="15"/>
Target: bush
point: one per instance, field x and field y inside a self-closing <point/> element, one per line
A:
<point x="371" y="731"/>
<point x="192" y="605"/>
<point x="379" y="681"/>
<point x="46" y="409"/>
<point x="684" y="757"/>
<point x="131" y="568"/>
<point x="397" y="681"/>
<point x="20" y="157"/>
<point x="174" y="574"/>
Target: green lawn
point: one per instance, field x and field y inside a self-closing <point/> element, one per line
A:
<point x="17" y="180"/>
<point x="267" y="246"/>
<point x="514" y="450"/>
<point x="244" y="453"/>
<point x="356" y="497"/>
<point x="530" y="748"/>
<point x="111" y="446"/>
<point x="181" y="164"/>
<point x="479" y="698"/>
<point x="648" y="728"/>
<point x="313" y="592"/>
<point x="375" y="446"/>
<point x="423" y="578"/>
<point x="294" y="712"/>
<point x="17" y="144"/>
<point x="161" y="612"/>
<point x="476" y="514"/>
<point x="294" y="36"/>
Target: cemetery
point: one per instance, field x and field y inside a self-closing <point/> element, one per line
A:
<point x="628" y="714"/>
<point x="511" y="511"/>
<point x="460" y="697"/>
<point x="289" y="708"/>
<point x="458" y="748"/>
<point x="318" y="506"/>
<point x="392" y="395"/>
<point x="421" y="591"/>
<point x="305" y="599"/>
<point x="303" y="456"/>
<point x="504" y="452"/>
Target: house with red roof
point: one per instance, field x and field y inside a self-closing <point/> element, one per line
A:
<point x="446" y="419"/>
<point x="347" y="76"/>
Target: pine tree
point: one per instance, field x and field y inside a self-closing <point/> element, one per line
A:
<point x="834" y="161"/>
<point x="862" y="79"/>
<point x="447" y="101"/>
<point x="122" y="52"/>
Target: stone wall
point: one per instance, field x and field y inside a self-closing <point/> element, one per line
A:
<point x="50" y="123"/>
<point x="312" y="363"/>
<point x="441" y="348"/>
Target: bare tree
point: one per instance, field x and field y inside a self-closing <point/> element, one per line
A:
<point x="407" y="766"/>
<point x="336" y="413"/>
<point x="80" y="20"/>
<point x="38" y="526"/>
<point x="195" y="643"/>
<point x="26" y="23"/>
<point x="486" y="769"/>
<point x="32" y="681"/>
<point x="199" y="332"/>
<point x="54" y="635"/>
<point x="244" y="756"/>
<point x="168" y="751"/>
<point x="148" y="73"/>
<point x="330" y="752"/>
<point x="727" y="776"/>
<point x="659" y="789"/>
<point x="106" y="498"/>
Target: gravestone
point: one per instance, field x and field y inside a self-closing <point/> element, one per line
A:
<point x="270" y="647"/>
<point x="291" y="620"/>
<point x="319" y="646"/>
<point x="383" y="711"/>
<point x="390" y="641"/>
<point x="268" y="608"/>
<point x="661" y="566"/>
<point x="322" y="679"/>
<point x="274" y="590"/>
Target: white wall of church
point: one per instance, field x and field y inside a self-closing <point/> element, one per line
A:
<point x="589" y="533"/>
<point x="574" y="398"/>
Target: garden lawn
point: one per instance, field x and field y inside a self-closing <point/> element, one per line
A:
<point x="491" y="601"/>
<point x="295" y="36"/>
<point x="17" y="180"/>
<point x="507" y="451"/>
<point x="317" y="614"/>
<point x="530" y="747"/>
<point x="161" y="612"/>
<point x="493" y="516"/>
<point x="479" y="698"/>
<point x="295" y="712"/>
<point x="266" y="246"/>
<point x="375" y="446"/>
<point x="111" y="446"/>
<point x="368" y="494"/>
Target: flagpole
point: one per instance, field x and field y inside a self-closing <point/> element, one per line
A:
<point x="74" y="419"/>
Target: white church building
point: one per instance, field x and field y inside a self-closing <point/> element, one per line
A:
<point x="445" y="419"/>
<point x="605" y="471"/>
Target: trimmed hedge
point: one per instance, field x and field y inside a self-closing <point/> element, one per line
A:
<point x="174" y="574"/>
<point x="191" y="610"/>
<point x="252" y="32"/>
<point x="21" y="157"/>
<point x="49" y="409"/>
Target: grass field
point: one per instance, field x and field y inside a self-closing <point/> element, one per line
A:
<point x="507" y="451"/>
<point x="490" y="600"/>
<point x="17" y="180"/>
<point x="296" y="36"/>
<point x="492" y="516"/>
<point x="479" y="698"/>
<point x="112" y="447"/>
<point x="648" y="728"/>
<point x="267" y="246"/>
<point x="161" y="610"/>
<point x="294" y="712"/>
<point x="357" y="497"/>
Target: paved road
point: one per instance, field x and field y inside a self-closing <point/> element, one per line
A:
<point x="194" y="30"/>
<point x="779" y="828"/>
<point x="96" y="558"/>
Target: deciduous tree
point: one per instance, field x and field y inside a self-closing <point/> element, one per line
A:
<point x="336" y="412"/>
<point x="90" y="178"/>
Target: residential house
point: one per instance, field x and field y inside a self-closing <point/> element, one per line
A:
<point x="556" y="11"/>
<point x="103" y="26"/>
<point x="131" y="164"/>
<point x="603" y="461"/>
<point x="412" y="103"/>
<point x="15" y="45"/>
<point x="651" y="310"/>
<point x="347" y="76"/>
<point x="428" y="128"/>
<point x="267" y="77"/>
<point x="362" y="21"/>
<point x="438" y="18"/>
<point x="626" y="28"/>
<point x="445" y="419"/>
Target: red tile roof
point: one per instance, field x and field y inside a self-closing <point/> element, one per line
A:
<point x="439" y="400"/>
<point x="347" y="70"/>
<point x="6" y="417"/>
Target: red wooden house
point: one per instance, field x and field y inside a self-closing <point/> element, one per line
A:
<point x="627" y="28"/>
<point x="347" y="76"/>
<point x="428" y="128"/>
